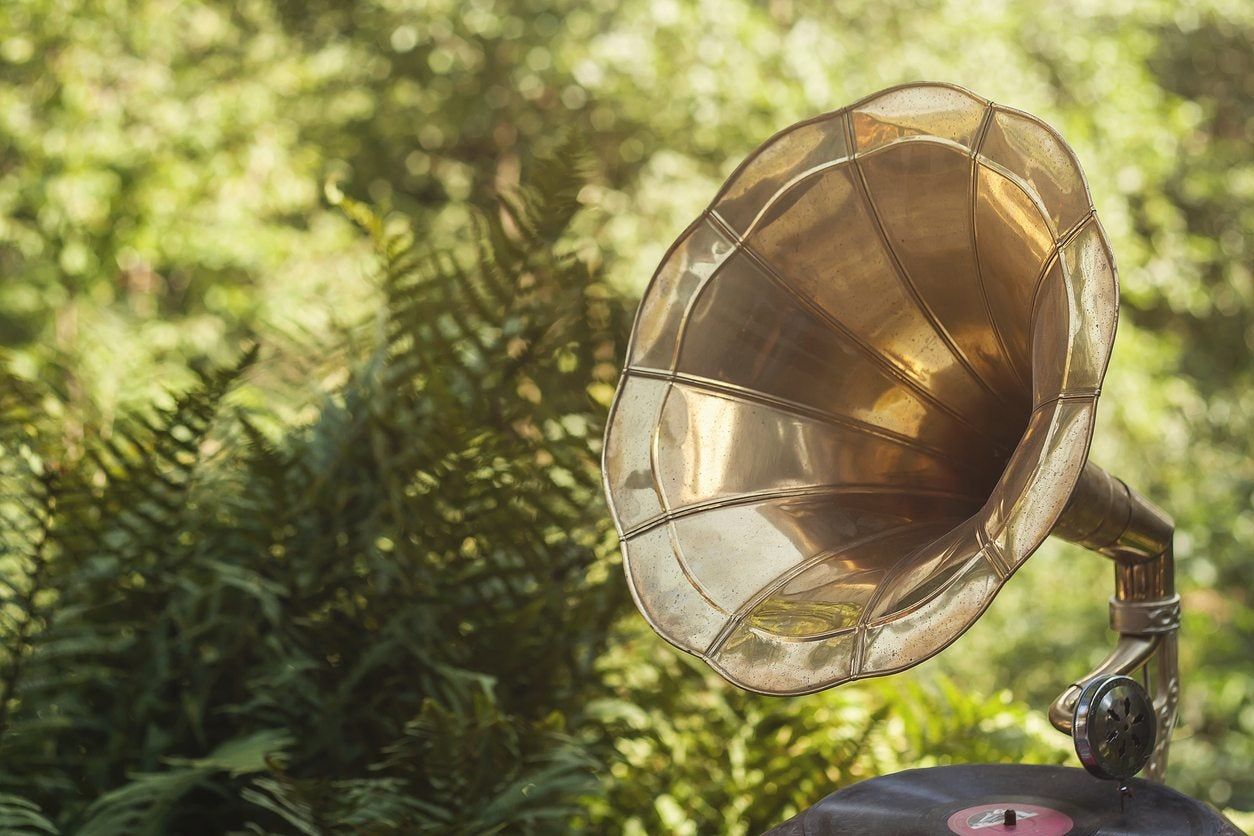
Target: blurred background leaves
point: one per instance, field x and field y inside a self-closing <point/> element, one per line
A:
<point x="372" y="564"/>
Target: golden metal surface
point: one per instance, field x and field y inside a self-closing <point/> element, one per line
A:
<point x="860" y="392"/>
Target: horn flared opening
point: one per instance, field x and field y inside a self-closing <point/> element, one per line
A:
<point x="860" y="389"/>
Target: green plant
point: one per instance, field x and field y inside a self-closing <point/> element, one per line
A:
<point x="374" y="620"/>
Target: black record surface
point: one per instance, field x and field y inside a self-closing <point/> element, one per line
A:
<point x="971" y="799"/>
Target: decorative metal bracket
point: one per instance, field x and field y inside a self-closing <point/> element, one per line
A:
<point x="1145" y="617"/>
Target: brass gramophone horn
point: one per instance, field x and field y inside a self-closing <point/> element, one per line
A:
<point x="860" y="392"/>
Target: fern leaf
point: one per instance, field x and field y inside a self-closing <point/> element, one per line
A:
<point x="19" y="817"/>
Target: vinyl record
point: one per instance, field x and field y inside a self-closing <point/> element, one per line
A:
<point x="973" y="800"/>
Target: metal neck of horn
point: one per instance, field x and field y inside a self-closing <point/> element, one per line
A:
<point x="1105" y="515"/>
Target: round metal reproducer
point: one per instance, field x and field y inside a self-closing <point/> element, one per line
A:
<point x="1114" y="727"/>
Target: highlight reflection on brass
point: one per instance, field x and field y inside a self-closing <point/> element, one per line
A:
<point x="860" y="392"/>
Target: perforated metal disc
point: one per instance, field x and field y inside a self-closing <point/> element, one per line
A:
<point x="1114" y="728"/>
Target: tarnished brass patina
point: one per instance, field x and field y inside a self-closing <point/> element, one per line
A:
<point x="860" y="392"/>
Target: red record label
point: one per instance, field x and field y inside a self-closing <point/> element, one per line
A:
<point x="987" y="819"/>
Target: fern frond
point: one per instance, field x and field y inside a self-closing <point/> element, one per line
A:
<point x="409" y="580"/>
<point x="29" y="492"/>
<point x="19" y="817"/>
<point x="143" y="805"/>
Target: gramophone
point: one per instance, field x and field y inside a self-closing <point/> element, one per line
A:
<point x="859" y="394"/>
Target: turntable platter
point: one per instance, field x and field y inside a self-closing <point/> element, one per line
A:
<point x="973" y="800"/>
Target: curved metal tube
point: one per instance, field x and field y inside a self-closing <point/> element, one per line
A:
<point x="1105" y="515"/>
<point x="1129" y="654"/>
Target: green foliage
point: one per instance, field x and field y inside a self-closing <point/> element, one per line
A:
<point x="371" y="608"/>
<point x="373" y="557"/>
<point x="151" y="171"/>
<point x="144" y="804"/>
<point x="23" y="818"/>
<point x="689" y="753"/>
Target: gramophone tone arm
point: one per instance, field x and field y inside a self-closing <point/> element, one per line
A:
<point x="1107" y="516"/>
<point x="1128" y="655"/>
